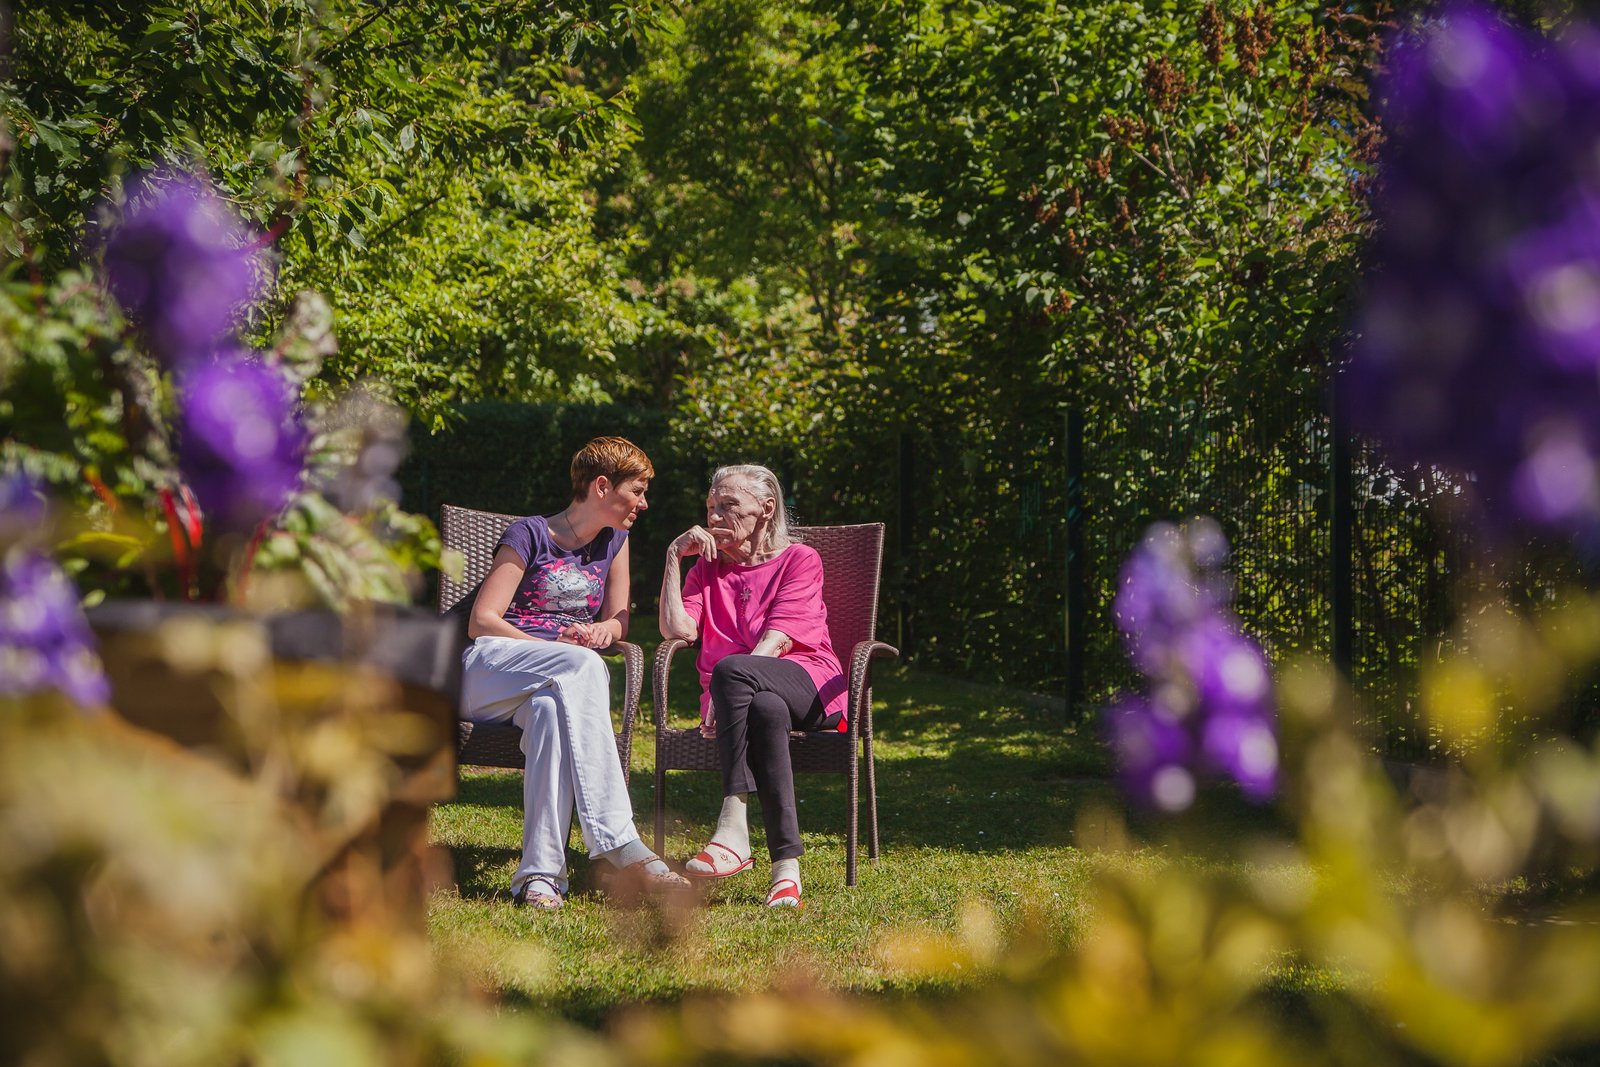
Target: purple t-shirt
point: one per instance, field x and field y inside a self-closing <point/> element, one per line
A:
<point x="560" y="586"/>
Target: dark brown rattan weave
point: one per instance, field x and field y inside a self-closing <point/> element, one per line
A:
<point x="475" y="534"/>
<point x="852" y="557"/>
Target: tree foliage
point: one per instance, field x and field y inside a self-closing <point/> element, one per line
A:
<point x="968" y="219"/>
<point x="344" y="132"/>
<point x="423" y="165"/>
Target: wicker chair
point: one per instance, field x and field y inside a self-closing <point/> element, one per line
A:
<point x="475" y="534"/>
<point x="852" y="557"/>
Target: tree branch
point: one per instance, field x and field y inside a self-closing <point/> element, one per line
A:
<point x="338" y="46"/>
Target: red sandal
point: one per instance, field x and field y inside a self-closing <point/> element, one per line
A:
<point x="717" y="871"/>
<point x="785" y="894"/>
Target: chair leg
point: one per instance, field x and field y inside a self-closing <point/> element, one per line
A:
<point x="661" y="806"/>
<point x="872" y="803"/>
<point x="852" y="818"/>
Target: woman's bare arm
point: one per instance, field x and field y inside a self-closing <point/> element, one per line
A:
<point x="674" y="620"/>
<point x="772" y="643"/>
<point x="494" y="597"/>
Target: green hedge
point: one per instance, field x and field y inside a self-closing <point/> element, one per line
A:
<point x="516" y="458"/>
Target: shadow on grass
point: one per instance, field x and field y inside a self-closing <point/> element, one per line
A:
<point x="595" y="1007"/>
<point x="959" y="766"/>
<point x="479" y="871"/>
<point x="490" y="789"/>
<point x="979" y="769"/>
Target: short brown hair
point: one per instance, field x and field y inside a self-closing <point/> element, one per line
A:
<point x="618" y="458"/>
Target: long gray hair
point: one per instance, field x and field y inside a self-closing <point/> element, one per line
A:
<point x="763" y="485"/>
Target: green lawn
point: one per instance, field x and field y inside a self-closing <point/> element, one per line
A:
<point x="979" y="794"/>
<point x="988" y="808"/>
<point x="983" y="795"/>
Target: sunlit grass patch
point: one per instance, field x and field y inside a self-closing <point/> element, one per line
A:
<point x="980" y="791"/>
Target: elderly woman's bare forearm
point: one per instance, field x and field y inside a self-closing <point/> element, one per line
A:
<point x="772" y="643"/>
<point x="674" y="621"/>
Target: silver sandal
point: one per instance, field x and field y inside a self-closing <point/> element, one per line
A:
<point x="541" y="892"/>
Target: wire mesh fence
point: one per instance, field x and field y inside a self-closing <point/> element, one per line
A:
<point x="1006" y="538"/>
<point x="1261" y="473"/>
<point x="1377" y="595"/>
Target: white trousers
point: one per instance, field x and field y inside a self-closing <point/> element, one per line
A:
<point x="560" y="695"/>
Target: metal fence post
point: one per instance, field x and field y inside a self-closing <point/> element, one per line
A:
<point x="786" y="476"/>
<point x="1074" y="628"/>
<point x="1341" y="514"/>
<point x="904" y="542"/>
<point x="427" y="495"/>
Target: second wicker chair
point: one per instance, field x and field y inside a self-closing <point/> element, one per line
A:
<point x="852" y="559"/>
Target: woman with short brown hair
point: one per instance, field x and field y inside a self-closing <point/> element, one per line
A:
<point x="556" y="592"/>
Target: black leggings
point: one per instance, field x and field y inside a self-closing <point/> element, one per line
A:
<point x="758" y="700"/>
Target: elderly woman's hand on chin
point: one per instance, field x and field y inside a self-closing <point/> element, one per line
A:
<point x="695" y="541"/>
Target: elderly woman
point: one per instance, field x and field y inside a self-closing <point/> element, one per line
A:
<point x="557" y="591"/>
<point x="754" y="599"/>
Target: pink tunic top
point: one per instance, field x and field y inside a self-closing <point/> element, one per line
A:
<point x="733" y="605"/>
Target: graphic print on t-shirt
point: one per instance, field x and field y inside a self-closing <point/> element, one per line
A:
<point x="561" y="588"/>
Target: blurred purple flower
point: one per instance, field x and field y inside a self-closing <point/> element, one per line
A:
<point x="1243" y="745"/>
<point x="1209" y="709"/>
<point x="1160" y="594"/>
<point x="1226" y="668"/>
<point x="180" y="264"/>
<point x="45" y="642"/>
<point x="1466" y="79"/>
<point x="22" y="508"/>
<point x="241" y="444"/>
<point x="1556" y="483"/>
<point x="1479" y="346"/>
<point x="1555" y="273"/>
<point x="1154" y="753"/>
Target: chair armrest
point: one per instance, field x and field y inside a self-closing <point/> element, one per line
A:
<point x="861" y="658"/>
<point x="658" y="676"/>
<point x="633" y="665"/>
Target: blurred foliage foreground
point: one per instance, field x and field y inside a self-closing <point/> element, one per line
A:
<point x="223" y="904"/>
<point x="169" y="906"/>
<point x="158" y="906"/>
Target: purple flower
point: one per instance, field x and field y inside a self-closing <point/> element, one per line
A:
<point x="1467" y="78"/>
<point x="1160" y="593"/>
<point x="1227" y="670"/>
<point x="1556" y="483"/>
<point x="1242" y="744"/>
<point x="241" y="443"/>
<point x="1209" y="709"/>
<point x="1154" y="753"/>
<point x="180" y="265"/>
<point x="45" y="643"/>
<point x="1554" y="272"/>
<point x="22" y="508"/>
<point x="1479" y="346"/>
